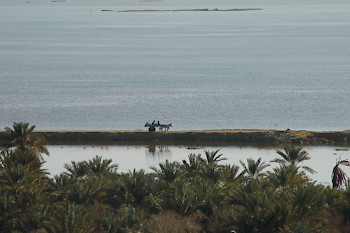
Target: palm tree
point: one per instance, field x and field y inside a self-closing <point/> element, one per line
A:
<point x="11" y="158"/>
<point x="138" y="186"/>
<point x="99" y="166"/>
<point x="194" y="165"/>
<point x="59" y="187"/>
<point x="114" y="193"/>
<point x="254" y="168"/>
<point x="211" y="171"/>
<point x="69" y="217"/>
<point x="213" y="157"/>
<point x="109" y="222"/>
<point x="286" y="176"/>
<point x="293" y="155"/>
<point x="230" y="173"/>
<point x="168" y="171"/>
<point x="132" y="219"/>
<point x="344" y="204"/>
<point x="256" y="208"/>
<point x="188" y="197"/>
<point x="338" y="175"/>
<point x="32" y="221"/>
<point x="23" y="184"/>
<point x="76" y="170"/>
<point x="19" y="178"/>
<point x="9" y="213"/>
<point x="95" y="167"/>
<point x="84" y="193"/>
<point x="23" y="138"/>
<point x="308" y="207"/>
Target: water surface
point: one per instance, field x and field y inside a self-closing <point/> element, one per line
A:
<point x="70" y="65"/>
<point x="323" y="159"/>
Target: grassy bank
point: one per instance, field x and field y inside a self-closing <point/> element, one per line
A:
<point x="199" y="137"/>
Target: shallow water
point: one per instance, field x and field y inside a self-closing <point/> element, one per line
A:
<point x="322" y="160"/>
<point x="70" y="65"/>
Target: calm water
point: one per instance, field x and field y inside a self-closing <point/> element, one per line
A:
<point x="70" y="65"/>
<point x="143" y="157"/>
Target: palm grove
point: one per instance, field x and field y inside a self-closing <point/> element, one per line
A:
<point x="197" y="195"/>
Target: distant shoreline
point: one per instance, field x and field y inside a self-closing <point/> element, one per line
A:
<point x="198" y="137"/>
<point x="185" y="10"/>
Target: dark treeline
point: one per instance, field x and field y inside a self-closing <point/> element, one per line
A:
<point x="196" y="195"/>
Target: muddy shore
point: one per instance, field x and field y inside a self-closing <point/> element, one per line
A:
<point x="199" y="137"/>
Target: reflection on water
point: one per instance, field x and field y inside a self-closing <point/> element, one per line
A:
<point x="323" y="158"/>
<point x="159" y="151"/>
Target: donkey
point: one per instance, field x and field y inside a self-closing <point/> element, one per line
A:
<point x="165" y="127"/>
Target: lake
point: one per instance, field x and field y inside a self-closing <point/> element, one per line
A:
<point x="70" y="65"/>
<point x="323" y="158"/>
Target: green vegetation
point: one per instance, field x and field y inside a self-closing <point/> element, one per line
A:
<point x="197" y="195"/>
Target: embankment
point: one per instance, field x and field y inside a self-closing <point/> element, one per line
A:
<point x="200" y="137"/>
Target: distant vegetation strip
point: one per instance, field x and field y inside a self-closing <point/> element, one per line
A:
<point x="202" y="9"/>
<point x="204" y="137"/>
